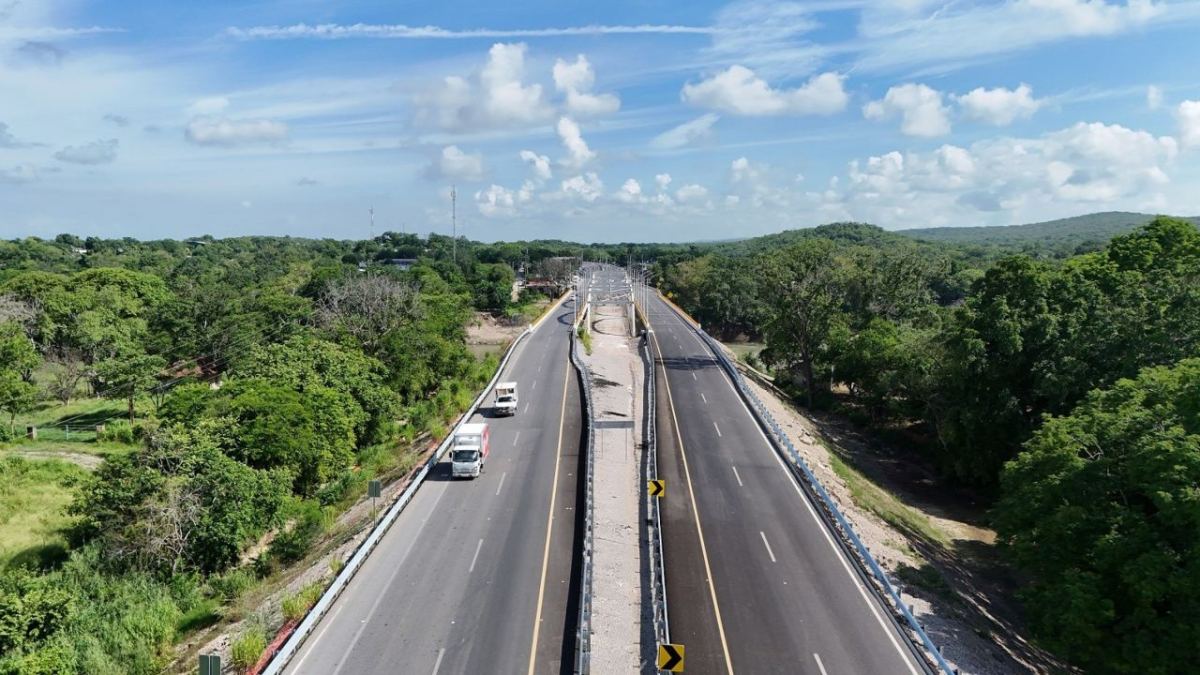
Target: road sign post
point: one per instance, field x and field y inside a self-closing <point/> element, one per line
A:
<point x="374" y="489"/>
<point x="670" y="658"/>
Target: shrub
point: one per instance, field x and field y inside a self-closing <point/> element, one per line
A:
<point x="294" y="543"/>
<point x="229" y="586"/>
<point x="248" y="647"/>
<point x="116" y="431"/>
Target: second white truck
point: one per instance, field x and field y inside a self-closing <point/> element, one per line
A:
<point x="506" y="399"/>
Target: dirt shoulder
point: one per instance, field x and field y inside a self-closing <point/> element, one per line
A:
<point x="932" y="541"/>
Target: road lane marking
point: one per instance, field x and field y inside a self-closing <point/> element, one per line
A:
<point x="738" y="477"/>
<point x="760" y="533"/>
<point x="703" y="398"/>
<point x="534" y="385"/>
<point x="904" y="656"/>
<point x="820" y="665"/>
<point x="712" y="589"/>
<point x="717" y="428"/>
<point x="501" y="485"/>
<point x="694" y="375"/>
<point x="438" y="664"/>
<point x="537" y="617"/>
<point x="526" y="408"/>
<point x="516" y="437"/>
<point x="475" y="558"/>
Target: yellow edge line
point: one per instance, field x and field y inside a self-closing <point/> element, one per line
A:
<point x="537" y="619"/>
<point x="696" y="513"/>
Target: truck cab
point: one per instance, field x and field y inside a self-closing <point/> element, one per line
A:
<point x="506" y="399"/>
<point x="469" y="450"/>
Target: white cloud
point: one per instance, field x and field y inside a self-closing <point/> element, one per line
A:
<point x="222" y="131"/>
<point x="630" y="192"/>
<point x="576" y="80"/>
<point x="454" y="164"/>
<point x="686" y="133"/>
<point x="495" y="201"/>
<point x="587" y="187"/>
<point x="211" y="105"/>
<point x="332" y="31"/>
<point x="1188" y="116"/>
<point x="496" y="98"/>
<point x="539" y="163"/>
<point x="999" y="106"/>
<point x="1094" y="17"/>
<point x="7" y="140"/>
<point x="663" y="180"/>
<point x="920" y="108"/>
<point x="578" y="152"/>
<point x="739" y="91"/>
<point x="96" y="152"/>
<point x="1154" y="97"/>
<point x="691" y="193"/>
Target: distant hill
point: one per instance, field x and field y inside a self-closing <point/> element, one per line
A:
<point x="1064" y="235"/>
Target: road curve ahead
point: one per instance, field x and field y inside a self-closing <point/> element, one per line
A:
<point x="755" y="582"/>
<point x="475" y="576"/>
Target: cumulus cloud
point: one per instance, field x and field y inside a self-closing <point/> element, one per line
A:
<point x="209" y="105"/>
<point x="578" y="152"/>
<point x="1089" y="165"/>
<point x="739" y="91"/>
<point x="687" y="133"/>
<point x="576" y="81"/>
<point x="691" y="194"/>
<point x="663" y="180"/>
<point x="497" y="97"/>
<point x="96" y="152"/>
<point x="539" y="163"/>
<point x="630" y="192"/>
<point x="1188" y="116"/>
<point x="7" y="140"/>
<point x="454" y="164"/>
<point x="999" y="106"/>
<point x="919" y="107"/>
<point x="496" y="201"/>
<point x="587" y="187"/>
<point x="222" y="131"/>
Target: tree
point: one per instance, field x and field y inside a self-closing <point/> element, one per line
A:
<point x="18" y="358"/>
<point x="1102" y="510"/>
<point x="68" y="371"/>
<point x="493" y="286"/>
<point x="368" y="308"/>
<point x="129" y="375"/>
<point x="803" y="283"/>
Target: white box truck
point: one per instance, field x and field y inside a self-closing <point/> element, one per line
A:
<point x="469" y="451"/>
<point x="506" y="399"/>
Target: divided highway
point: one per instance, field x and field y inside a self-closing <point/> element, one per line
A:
<point x="755" y="582"/>
<point x="476" y="576"/>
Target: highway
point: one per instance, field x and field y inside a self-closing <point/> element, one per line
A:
<point x="475" y="576"/>
<point x="755" y="582"/>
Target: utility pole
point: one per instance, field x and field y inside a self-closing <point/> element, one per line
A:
<point x="372" y="212"/>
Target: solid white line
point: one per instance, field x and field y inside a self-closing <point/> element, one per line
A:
<point x="819" y="664"/>
<point x="476" y="556"/>
<point x="516" y="437"/>
<point x="438" y="664"/>
<point x="703" y="398"/>
<point x="764" y="538"/>
<point x="501" y="485"/>
<point x="738" y="477"/>
<point x="717" y="428"/>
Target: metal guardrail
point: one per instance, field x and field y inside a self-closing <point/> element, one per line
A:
<point x="583" y="642"/>
<point x="840" y="524"/>
<point x="288" y="651"/>
<point x="658" y="568"/>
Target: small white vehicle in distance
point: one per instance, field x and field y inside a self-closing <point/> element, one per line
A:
<point x="506" y="399"/>
<point x="470" y="451"/>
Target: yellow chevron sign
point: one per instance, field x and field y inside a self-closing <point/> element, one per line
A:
<point x="656" y="487"/>
<point x="670" y="658"/>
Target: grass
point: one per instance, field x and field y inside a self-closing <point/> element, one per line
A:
<point x="89" y="447"/>
<point x="81" y="412"/>
<point x="887" y="506"/>
<point x="744" y="349"/>
<point x="33" y="498"/>
<point x="585" y="337"/>
<point x="927" y="577"/>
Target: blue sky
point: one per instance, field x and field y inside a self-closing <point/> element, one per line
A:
<point x="612" y="121"/>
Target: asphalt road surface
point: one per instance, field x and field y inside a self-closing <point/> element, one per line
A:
<point x="755" y="582"/>
<point x="475" y="576"/>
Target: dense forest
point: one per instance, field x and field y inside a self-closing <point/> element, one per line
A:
<point x="257" y="384"/>
<point x="1065" y="390"/>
